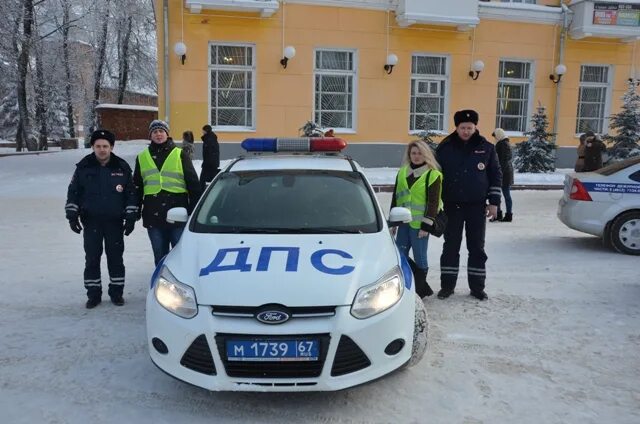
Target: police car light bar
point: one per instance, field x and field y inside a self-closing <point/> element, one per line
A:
<point x="299" y="144"/>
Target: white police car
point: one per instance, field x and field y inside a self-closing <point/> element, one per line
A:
<point x="286" y="278"/>
<point x="605" y="203"/>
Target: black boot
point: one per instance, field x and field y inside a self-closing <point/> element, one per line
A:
<point x="444" y="293"/>
<point x="92" y="302"/>
<point x="422" y="287"/>
<point x="427" y="288"/>
<point x="508" y="217"/>
<point x="480" y="295"/>
<point x="117" y="300"/>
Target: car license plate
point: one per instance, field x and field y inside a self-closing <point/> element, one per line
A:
<point x="273" y="350"/>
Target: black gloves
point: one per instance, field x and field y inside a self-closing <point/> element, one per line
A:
<point x="129" y="224"/>
<point x="75" y="225"/>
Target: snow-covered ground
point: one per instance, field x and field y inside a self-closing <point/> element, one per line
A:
<point x="557" y="342"/>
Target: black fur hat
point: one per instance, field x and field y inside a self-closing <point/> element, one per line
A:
<point x="103" y="135"/>
<point x="466" y="115"/>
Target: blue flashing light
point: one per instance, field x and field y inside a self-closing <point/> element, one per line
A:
<point x="260" y="144"/>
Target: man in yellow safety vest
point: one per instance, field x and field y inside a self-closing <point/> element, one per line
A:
<point x="164" y="178"/>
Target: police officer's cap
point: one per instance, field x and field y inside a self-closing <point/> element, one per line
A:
<point x="103" y="135"/>
<point x="466" y="115"/>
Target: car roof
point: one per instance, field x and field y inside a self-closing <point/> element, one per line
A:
<point x="269" y="162"/>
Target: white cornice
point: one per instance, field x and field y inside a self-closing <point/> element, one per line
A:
<point x="266" y="8"/>
<point x="517" y="12"/>
<point x="355" y="4"/>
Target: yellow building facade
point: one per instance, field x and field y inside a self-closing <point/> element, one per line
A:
<point x="231" y="75"/>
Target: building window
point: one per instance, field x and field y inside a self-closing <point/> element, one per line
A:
<point x="592" y="98"/>
<point x="335" y="78"/>
<point x="514" y="92"/>
<point x="429" y="77"/>
<point x="232" y="79"/>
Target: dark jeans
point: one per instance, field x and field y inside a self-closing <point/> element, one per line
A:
<point x="506" y="192"/>
<point x="96" y="233"/>
<point x="161" y="238"/>
<point x="471" y="218"/>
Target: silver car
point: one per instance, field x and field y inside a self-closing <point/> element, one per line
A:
<point x="605" y="203"/>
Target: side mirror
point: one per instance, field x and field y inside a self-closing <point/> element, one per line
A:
<point x="177" y="215"/>
<point x="399" y="216"/>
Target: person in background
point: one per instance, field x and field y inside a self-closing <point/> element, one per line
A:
<point x="164" y="178"/>
<point x="187" y="143"/>
<point x="418" y="187"/>
<point x="210" y="156"/>
<point x="503" y="150"/>
<point x="593" y="150"/>
<point x="102" y="197"/>
<point x="579" y="166"/>
<point x="472" y="176"/>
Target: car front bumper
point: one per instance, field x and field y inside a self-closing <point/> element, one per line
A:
<point x="194" y="343"/>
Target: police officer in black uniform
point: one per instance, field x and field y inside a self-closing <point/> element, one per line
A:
<point x="101" y="195"/>
<point x="472" y="177"/>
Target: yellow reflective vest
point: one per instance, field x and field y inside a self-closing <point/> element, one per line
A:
<point x="415" y="198"/>
<point x="170" y="178"/>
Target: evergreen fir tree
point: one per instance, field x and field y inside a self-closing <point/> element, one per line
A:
<point x="626" y="143"/>
<point x="427" y="133"/>
<point x="9" y="115"/>
<point x="537" y="153"/>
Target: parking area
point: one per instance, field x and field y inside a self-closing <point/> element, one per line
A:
<point x="557" y="342"/>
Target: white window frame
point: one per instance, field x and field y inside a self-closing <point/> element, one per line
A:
<point x="430" y="78"/>
<point x="608" y="86"/>
<point x="529" y="81"/>
<point x="212" y="67"/>
<point x="354" y="75"/>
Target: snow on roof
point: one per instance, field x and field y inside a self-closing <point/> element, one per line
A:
<point x="127" y="107"/>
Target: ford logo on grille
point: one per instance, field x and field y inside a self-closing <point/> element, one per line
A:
<point x="272" y="317"/>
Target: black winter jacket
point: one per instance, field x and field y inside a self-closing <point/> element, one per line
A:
<point x="155" y="206"/>
<point x="210" y="151"/>
<point x="471" y="170"/>
<point x="503" y="149"/>
<point x="101" y="192"/>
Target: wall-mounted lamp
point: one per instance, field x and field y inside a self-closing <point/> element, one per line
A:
<point x="288" y="53"/>
<point x="476" y="68"/>
<point x="559" y="72"/>
<point x="392" y="60"/>
<point x="181" y="50"/>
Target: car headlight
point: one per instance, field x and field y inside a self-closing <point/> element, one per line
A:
<point x="174" y="296"/>
<point x="379" y="296"/>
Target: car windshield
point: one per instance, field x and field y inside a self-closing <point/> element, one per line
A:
<point x="289" y="202"/>
<point x="618" y="166"/>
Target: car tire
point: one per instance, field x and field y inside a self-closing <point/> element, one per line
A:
<point x="419" y="346"/>
<point x="625" y="233"/>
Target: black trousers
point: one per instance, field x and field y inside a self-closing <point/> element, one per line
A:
<point x="470" y="217"/>
<point x="206" y="175"/>
<point x="110" y="233"/>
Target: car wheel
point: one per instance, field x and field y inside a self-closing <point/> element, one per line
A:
<point x="419" y="346"/>
<point x="625" y="233"/>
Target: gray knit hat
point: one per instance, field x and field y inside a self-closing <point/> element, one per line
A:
<point x="157" y="124"/>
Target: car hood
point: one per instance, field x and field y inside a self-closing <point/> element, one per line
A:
<point x="293" y="270"/>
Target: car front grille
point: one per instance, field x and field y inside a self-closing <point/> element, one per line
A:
<point x="295" y="311"/>
<point x="349" y="358"/>
<point x="198" y="357"/>
<point x="265" y="369"/>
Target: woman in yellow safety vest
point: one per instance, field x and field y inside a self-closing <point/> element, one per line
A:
<point x="418" y="188"/>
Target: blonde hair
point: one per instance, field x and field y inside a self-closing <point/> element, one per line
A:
<point x="426" y="151"/>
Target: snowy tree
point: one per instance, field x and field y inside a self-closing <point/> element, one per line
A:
<point x="537" y="153"/>
<point x="626" y="143"/>
<point x="427" y="133"/>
